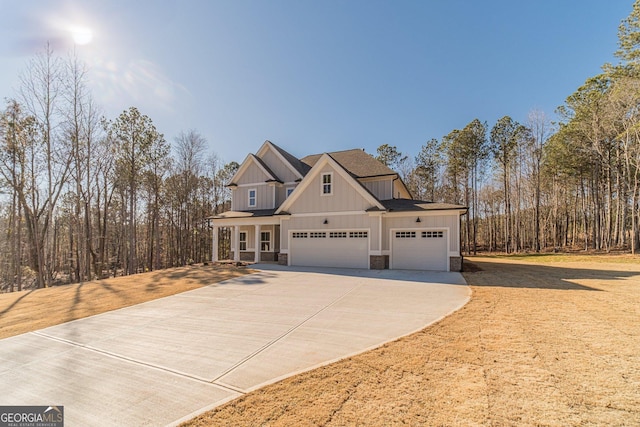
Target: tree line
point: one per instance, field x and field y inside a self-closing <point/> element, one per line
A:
<point x="84" y="196"/>
<point x="540" y="185"/>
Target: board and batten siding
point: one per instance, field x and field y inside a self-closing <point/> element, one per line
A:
<point x="426" y="221"/>
<point x="334" y="223"/>
<point x="264" y="197"/>
<point x="282" y="171"/>
<point x="344" y="198"/>
<point x="382" y="189"/>
<point x="252" y="175"/>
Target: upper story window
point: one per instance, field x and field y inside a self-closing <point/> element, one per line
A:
<point x="252" y="198"/>
<point x="289" y="191"/>
<point x="327" y="184"/>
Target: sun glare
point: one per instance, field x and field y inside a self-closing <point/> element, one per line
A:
<point x="81" y="35"/>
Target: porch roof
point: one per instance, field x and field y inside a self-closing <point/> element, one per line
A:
<point x="408" y="205"/>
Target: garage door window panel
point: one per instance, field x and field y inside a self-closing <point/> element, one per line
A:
<point x="420" y="250"/>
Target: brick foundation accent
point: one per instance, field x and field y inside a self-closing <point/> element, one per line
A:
<point x="378" y="262"/>
<point x="268" y="256"/>
<point x="283" y="259"/>
<point x="247" y="256"/>
<point x="455" y="263"/>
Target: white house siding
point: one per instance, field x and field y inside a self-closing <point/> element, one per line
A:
<point x="264" y="194"/>
<point x="334" y="223"/>
<point x="426" y="221"/>
<point x="280" y="195"/>
<point x="252" y="174"/>
<point x="344" y="198"/>
<point x="282" y="171"/>
<point x="399" y="191"/>
<point x="382" y="189"/>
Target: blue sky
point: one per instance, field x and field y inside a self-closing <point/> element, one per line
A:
<point x="317" y="76"/>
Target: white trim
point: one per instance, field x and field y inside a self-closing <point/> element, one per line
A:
<point x="315" y="170"/>
<point x="269" y="144"/>
<point x="245" y="241"/>
<point x="320" y="214"/>
<point x="245" y="164"/>
<point x="270" y="241"/>
<point x="419" y="229"/>
<point x="256" y="184"/>
<point x="390" y="177"/>
<point x="380" y="233"/>
<point x="327" y="231"/>
<point x="247" y="221"/>
<point x="255" y="198"/>
<point x="330" y="183"/>
<point x="214" y="243"/>
<point x="287" y="191"/>
<point x="442" y="212"/>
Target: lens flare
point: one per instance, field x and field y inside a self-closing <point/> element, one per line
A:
<point x="81" y="35"/>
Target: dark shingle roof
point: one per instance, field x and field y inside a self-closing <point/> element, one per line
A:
<point x="404" y="205"/>
<point x="274" y="177"/>
<point x="301" y="167"/>
<point x="246" y="214"/>
<point x="357" y="162"/>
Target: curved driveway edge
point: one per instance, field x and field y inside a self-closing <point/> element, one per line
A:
<point x="170" y="359"/>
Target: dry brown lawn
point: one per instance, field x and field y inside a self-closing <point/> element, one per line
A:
<point x="548" y="340"/>
<point x="27" y="311"/>
<point x="543" y="341"/>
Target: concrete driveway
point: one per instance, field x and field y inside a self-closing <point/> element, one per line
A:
<point x="165" y="361"/>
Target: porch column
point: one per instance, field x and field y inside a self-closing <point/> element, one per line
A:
<point x="257" y="243"/>
<point x="236" y="243"/>
<point x="214" y="248"/>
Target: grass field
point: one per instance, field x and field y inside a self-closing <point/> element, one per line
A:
<point x="545" y="340"/>
<point x="27" y="311"/>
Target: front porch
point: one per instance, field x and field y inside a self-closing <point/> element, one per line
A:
<point x="246" y="243"/>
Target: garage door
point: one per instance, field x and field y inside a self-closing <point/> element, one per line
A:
<point x="419" y="250"/>
<point x="348" y="249"/>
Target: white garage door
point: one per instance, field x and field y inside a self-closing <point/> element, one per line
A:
<point x="419" y="250"/>
<point x="348" y="249"/>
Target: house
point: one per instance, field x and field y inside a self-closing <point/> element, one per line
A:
<point x="340" y="209"/>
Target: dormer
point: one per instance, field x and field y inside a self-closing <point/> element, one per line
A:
<point x="266" y="179"/>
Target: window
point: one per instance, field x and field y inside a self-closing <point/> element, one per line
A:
<point x="358" y="234"/>
<point x="252" y="198"/>
<point x="243" y="241"/>
<point x="338" y="235"/>
<point x="318" y="235"/>
<point x="327" y="188"/>
<point x="433" y="234"/>
<point x="405" y="234"/>
<point x="299" y="235"/>
<point x="289" y="191"/>
<point x="265" y="241"/>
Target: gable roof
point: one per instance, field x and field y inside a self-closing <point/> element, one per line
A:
<point x="357" y="162"/>
<point x="301" y="167"/>
<point x="256" y="160"/>
<point x="293" y="163"/>
<point x="315" y="171"/>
